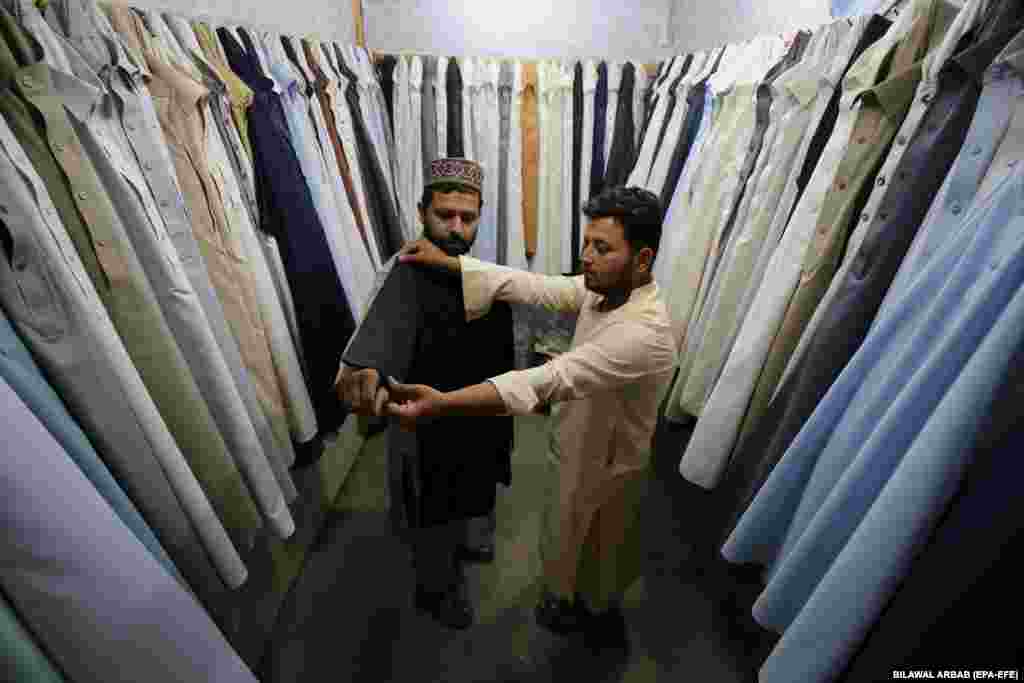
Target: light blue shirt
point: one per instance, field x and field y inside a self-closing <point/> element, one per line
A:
<point x="992" y="120"/>
<point x="26" y="379"/>
<point x="98" y="602"/>
<point x="856" y="493"/>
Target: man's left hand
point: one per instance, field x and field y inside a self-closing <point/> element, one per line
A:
<point x="412" y="403"/>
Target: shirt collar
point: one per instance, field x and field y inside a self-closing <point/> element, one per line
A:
<point x="895" y="93"/>
<point x="186" y="89"/>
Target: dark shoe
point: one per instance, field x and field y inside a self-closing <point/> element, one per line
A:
<point x="480" y="555"/>
<point x="558" y="615"/>
<point x="450" y="608"/>
<point x="606" y="630"/>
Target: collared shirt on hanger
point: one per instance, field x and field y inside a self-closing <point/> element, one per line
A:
<point x="146" y="291"/>
<point x="795" y="93"/>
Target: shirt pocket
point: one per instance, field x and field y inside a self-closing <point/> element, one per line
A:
<point x="31" y="295"/>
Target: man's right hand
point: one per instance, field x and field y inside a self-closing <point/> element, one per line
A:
<point x="362" y="391"/>
<point x="423" y="252"/>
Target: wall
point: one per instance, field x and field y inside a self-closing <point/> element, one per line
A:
<point x="327" y="19"/>
<point x="645" y="30"/>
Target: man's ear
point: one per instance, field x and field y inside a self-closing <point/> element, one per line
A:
<point x="644" y="260"/>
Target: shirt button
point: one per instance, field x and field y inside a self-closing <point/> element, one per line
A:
<point x="881" y="181"/>
<point x="82" y="195"/>
<point x="926" y="98"/>
<point x="956" y="209"/>
<point x="865" y="217"/>
<point x="901" y="140"/>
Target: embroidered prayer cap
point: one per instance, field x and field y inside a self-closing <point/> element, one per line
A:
<point x="456" y="170"/>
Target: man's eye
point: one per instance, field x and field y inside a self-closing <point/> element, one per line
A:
<point x="469" y="217"/>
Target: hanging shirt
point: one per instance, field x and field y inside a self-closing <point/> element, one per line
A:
<point x="22" y="660"/>
<point x="623" y="137"/>
<point x="339" y="120"/>
<point x="514" y="189"/>
<point x="20" y="372"/>
<point x="701" y="229"/>
<point x="486" y="124"/>
<point x="612" y="107"/>
<point x="531" y="156"/>
<point x="66" y="553"/>
<point x="505" y="86"/>
<point x="429" y="112"/>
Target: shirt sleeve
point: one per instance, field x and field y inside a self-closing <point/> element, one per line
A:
<point x="484" y="283"/>
<point x="622" y="354"/>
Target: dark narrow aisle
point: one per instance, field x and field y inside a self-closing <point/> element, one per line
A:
<point x="350" y="616"/>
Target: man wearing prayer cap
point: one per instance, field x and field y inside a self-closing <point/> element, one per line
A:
<point x="442" y="479"/>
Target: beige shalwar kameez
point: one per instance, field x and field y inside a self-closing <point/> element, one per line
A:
<point x="608" y="383"/>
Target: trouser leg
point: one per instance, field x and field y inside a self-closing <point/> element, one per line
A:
<point x="434" y="556"/>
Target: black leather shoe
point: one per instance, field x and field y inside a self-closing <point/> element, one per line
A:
<point x="558" y="615"/>
<point x="450" y="608"/>
<point x="606" y="630"/>
<point x="483" y="554"/>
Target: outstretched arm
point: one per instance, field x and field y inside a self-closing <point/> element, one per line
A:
<point x="413" y="402"/>
<point x="484" y="283"/>
<point x="622" y="355"/>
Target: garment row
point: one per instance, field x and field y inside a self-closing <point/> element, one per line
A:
<point x="190" y="218"/>
<point x="548" y="134"/>
<point x="843" y="273"/>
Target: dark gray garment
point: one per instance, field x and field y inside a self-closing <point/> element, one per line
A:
<point x="623" y="151"/>
<point x="505" y="82"/>
<point x="453" y="80"/>
<point x="428" y="116"/>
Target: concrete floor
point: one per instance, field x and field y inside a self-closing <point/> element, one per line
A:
<point x="350" y="616"/>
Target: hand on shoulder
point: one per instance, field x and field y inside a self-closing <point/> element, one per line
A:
<point x="423" y="252"/>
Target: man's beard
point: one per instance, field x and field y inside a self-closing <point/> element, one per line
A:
<point x="453" y="245"/>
